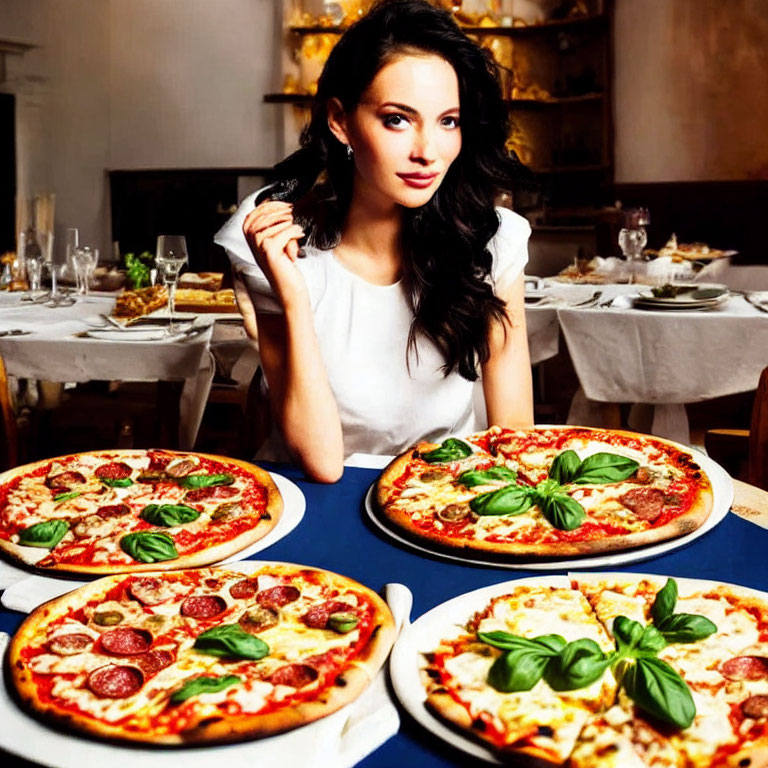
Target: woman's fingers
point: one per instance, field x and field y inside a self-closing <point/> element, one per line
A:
<point x="273" y="239"/>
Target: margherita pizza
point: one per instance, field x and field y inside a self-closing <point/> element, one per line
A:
<point x="547" y="492"/>
<point x="134" y="510"/>
<point x="201" y="656"/>
<point x="609" y="671"/>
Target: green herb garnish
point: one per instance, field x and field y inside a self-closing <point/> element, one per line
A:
<point x="45" y="535"/>
<point x="149" y="547"/>
<point x="451" y="449"/>
<point x="168" y="514"/>
<point x="199" y="685"/>
<point x="231" y="641"/>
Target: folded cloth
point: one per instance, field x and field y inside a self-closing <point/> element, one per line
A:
<point x="340" y="740"/>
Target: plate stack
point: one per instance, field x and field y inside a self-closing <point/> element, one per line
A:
<point x="683" y="297"/>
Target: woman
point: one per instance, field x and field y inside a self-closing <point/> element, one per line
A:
<point x="410" y="279"/>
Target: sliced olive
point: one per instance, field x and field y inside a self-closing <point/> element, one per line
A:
<point x="107" y="618"/>
<point x="342" y="622"/>
<point x="453" y="512"/>
<point x="228" y="510"/>
<point x="258" y="618"/>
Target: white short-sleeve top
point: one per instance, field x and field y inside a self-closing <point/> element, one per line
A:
<point x="387" y="399"/>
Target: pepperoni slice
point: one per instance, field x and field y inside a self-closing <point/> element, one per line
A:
<point x="645" y="503"/>
<point x="69" y="645"/>
<point x="295" y="675"/>
<point x="755" y="706"/>
<point x="115" y="682"/>
<point x="277" y="597"/>
<point x="64" y="480"/>
<point x="214" y="492"/>
<point x="203" y="606"/>
<point x="745" y="668"/>
<point x="243" y="590"/>
<point x="258" y="618"/>
<point x="317" y="616"/>
<point x="150" y="591"/>
<point x="113" y="510"/>
<point x="126" y="641"/>
<point x="153" y="661"/>
<point x="114" y="470"/>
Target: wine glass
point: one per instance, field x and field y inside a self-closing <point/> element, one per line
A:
<point x="85" y="260"/>
<point x="633" y="238"/>
<point x="170" y="257"/>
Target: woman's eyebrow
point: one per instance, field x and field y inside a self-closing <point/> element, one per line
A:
<point x="411" y="111"/>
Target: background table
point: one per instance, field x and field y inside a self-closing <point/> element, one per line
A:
<point x="336" y="534"/>
<point x="661" y="358"/>
<point x="53" y="352"/>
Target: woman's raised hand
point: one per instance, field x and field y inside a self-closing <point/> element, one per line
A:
<point x="274" y="240"/>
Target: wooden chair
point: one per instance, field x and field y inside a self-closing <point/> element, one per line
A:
<point x="751" y="446"/>
<point x="9" y="440"/>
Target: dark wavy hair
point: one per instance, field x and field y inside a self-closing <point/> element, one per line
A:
<point x="446" y="264"/>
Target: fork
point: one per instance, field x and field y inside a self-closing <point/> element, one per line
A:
<point x="593" y="299"/>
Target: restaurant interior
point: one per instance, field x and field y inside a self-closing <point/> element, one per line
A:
<point x="124" y="121"/>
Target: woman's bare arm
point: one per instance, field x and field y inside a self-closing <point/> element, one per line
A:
<point x="300" y="395"/>
<point x="507" y="381"/>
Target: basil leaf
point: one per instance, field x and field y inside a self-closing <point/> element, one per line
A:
<point x="199" y="685"/>
<point x="205" y="481"/>
<point x="664" y="604"/>
<point x="451" y="449"/>
<point x="627" y="634"/>
<point x="231" y="641"/>
<point x="564" y="467"/>
<point x="487" y="476"/>
<point x="117" y="482"/>
<point x="686" y="628"/>
<point x="659" y="691"/>
<point x="578" y="665"/>
<point x="46" y="535"/>
<point x="66" y="495"/>
<point x="510" y="500"/>
<point x="148" y="547"/>
<point x="168" y="514"/>
<point x="605" y="468"/>
<point x="562" y="511"/>
<point x="517" y="670"/>
<point x="545" y="644"/>
<point x="651" y="641"/>
<point x="546" y="488"/>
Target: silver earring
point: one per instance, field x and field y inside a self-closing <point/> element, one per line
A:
<point x="350" y="152"/>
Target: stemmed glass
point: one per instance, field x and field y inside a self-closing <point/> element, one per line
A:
<point x="170" y="257"/>
<point x="633" y="238"/>
<point x="85" y="260"/>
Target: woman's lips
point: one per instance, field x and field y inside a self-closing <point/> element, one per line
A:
<point x="418" y="180"/>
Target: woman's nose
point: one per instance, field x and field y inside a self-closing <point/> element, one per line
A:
<point x="424" y="149"/>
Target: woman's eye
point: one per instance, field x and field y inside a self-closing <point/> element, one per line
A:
<point x="395" y="121"/>
<point x="452" y="121"/>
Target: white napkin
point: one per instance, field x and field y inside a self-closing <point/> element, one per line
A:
<point x="338" y="741"/>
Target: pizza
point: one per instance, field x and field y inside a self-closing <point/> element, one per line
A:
<point x="202" y="300"/>
<point x="141" y="301"/>
<point x="200" y="656"/>
<point x="607" y="671"/>
<point x="545" y="492"/>
<point x="117" y="511"/>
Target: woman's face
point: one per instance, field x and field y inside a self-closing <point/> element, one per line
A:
<point x="405" y="131"/>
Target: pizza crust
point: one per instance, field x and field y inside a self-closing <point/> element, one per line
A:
<point x="350" y="682"/>
<point x="386" y="494"/>
<point x="30" y="556"/>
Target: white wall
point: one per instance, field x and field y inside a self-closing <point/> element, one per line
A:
<point x="124" y="84"/>
<point x="691" y="90"/>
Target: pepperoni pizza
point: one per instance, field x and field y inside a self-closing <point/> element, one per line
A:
<point x="134" y="510"/>
<point x="200" y="656"/>
<point x="546" y="492"/>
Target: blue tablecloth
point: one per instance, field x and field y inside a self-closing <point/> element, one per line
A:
<point x="336" y="534"/>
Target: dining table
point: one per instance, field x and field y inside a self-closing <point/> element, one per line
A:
<point x="337" y="533"/>
<point x="72" y="340"/>
<point x="656" y="359"/>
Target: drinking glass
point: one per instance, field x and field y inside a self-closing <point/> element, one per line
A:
<point x="170" y="257"/>
<point x="34" y="265"/>
<point x="72" y="241"/>
<point x="633" y="238"/>
<point x="85" y="260"/>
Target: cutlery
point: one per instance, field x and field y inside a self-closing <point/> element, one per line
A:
<point x="14" y="332"/>
<point x="593" y="299"/>
<point x="761" y="307"/>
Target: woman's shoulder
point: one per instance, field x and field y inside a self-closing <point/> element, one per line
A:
<point x="509" y="246"/>
<point x="231" y="236"/>
<point x="512" y="225"/>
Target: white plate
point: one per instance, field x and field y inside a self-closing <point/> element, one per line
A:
<point x="429" y="629"/>
<point x="24" y="591"/>
<point x="722" y="490"/>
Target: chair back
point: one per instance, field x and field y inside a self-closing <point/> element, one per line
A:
<point x="757" y="465"/>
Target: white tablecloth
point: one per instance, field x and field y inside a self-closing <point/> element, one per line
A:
<point x="661" y="358"/>
<point x="52" y="352"/>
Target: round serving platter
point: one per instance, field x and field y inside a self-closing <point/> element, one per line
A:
<point x="722" y="491"/>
